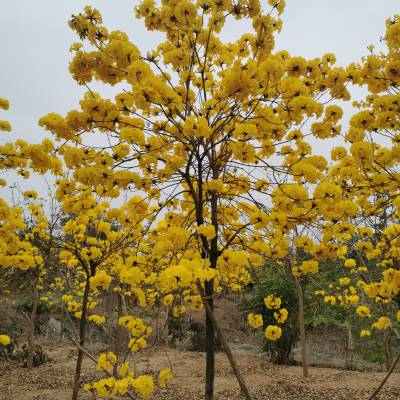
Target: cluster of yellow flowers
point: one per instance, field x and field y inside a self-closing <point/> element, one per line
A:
<point x="22" y="156"/>
<point x="5" y="126"/>
<point x="143" y="385"/>
<point x="271" y="332"/>
<point x="109" y="387"/>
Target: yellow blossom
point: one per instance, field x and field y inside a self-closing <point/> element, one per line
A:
<point x="273" y="332"/>
<point x="207" y="230"/>
<point x="4" y="340"/>
<point x="164" y="376"/>
<point x="365" y="332"/>
<point x="363" y="311"/>
<point x="255" y="320"/>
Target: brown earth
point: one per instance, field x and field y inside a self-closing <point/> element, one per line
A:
<point x="266" y="381"/>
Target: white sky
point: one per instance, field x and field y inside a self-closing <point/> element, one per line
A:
<point x="35" y="41"/>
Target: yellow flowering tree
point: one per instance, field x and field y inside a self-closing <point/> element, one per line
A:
<point x="17" y="251"/>
<point x="207" y="130"/>
<point x="366" y="168"/>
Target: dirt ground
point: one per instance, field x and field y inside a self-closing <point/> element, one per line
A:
<point x="266" y="381"/>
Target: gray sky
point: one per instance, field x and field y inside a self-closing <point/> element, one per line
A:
<point x="36" y="39"/>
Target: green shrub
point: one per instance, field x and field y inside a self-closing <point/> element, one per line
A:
<point x="374" y="353"/>
<point x="176" y="327"/>
<point x="275" y="280"/>
<point x="25" y="304"/>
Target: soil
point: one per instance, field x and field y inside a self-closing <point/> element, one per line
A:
<point x="52" y="381"/>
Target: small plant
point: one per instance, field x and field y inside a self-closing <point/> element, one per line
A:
<point x="176" y="328"/>
<point x="275" y="280"/>
<point x="40" y="357"/>
<point x="197" y="332"/>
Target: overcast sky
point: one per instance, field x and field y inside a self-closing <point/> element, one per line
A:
<point x="35" y="41"/>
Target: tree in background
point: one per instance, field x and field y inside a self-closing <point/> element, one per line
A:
<point x="17" y="252"/>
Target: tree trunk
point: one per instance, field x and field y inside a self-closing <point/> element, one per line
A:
<point x="209" y="342"/>
<point x="82" y="334"/>
<point x="350" y="347"/>
<point x="32" y="323"/>
<point x="388" y="349"/>
<point x="228" y="352"/>
<point x="62" y="325"/>
<point x="209" y="299"/>
<point x="303" y="344"/>
<point x="118" y="336"/>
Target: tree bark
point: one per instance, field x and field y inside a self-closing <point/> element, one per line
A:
<point x="350" y="347"/>
<point x="228" y="351"/>
<point x="209" y="301"/>
<point x="82" y="337"/>
<point x="118" y="336"/>
<point x="209" y="342"/>
<point x="388" y="349"/>
<point x="303" y="344"/>
<point x="62" y="325"/>
<point x="32" y="323"/>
